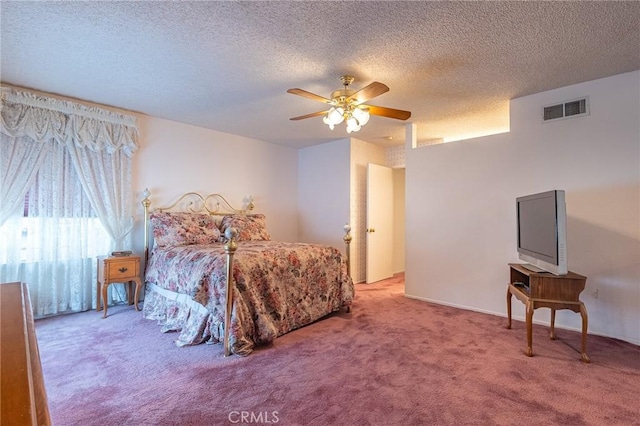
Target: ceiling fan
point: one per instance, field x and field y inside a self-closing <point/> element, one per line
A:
<point x="349" y="105"/>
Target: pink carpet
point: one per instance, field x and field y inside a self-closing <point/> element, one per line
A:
<point x="392" y="361"/>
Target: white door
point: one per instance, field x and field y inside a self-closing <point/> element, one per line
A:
<point x="379" y="223"/>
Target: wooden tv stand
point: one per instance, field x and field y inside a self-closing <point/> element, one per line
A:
<point x="545" y="290"/>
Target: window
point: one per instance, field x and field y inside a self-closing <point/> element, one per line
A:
<point x="53" y="244"/>
<point x="79" y="222"/>
<point x="73" y="162"/>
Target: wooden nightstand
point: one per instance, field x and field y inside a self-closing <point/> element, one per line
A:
<point x="122" y="269"/>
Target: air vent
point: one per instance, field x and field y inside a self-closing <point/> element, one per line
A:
<point x="574" y="108"/>
<point x="553" y="112"/>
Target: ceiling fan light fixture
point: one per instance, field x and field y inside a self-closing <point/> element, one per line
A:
<point x="348" y="105"/>
<point x="361" y="114"/>
<point x="353" y="125"/>
<point x="333" y="117"/>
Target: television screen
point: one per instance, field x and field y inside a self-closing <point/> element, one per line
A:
<point x="542" y="231"/>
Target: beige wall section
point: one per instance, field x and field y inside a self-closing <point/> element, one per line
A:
<point x="398" y="219"/>
<point x="333" y="190"/>
<point x="175" y="158"/>
<point x="395" y="156"/>
<point x="461" y="206"/>
<point x="323" y="192"/>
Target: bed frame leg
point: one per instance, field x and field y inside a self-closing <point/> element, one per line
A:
<point x="229" y="248"/>
<point x="347" y="246"/>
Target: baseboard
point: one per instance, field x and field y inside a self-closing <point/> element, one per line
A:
<point x="518" y="318"/>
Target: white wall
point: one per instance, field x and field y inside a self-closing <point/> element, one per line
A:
<point x="461" y="206"/>
<point x="323" y="192"/>
<point x="175" y="158"/>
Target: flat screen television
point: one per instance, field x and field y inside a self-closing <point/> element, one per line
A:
<point x="542" y="232"/>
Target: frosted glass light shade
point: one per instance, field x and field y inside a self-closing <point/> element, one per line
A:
<point x="334" y="116"/>
<point x="362" y="115"/>
<point x="352" y="125"/>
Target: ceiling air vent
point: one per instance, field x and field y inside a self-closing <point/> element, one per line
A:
<point x="566" y="109"/>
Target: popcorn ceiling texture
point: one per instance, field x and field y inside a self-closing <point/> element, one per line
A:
<point x="227" y="65"/>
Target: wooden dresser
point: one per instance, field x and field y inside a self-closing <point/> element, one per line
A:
<point x="23" y="399"/>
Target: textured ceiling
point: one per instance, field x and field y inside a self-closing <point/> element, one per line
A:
<point x="227" y="65"/>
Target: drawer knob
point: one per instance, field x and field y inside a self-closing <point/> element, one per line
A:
<point x="123" y="269"/>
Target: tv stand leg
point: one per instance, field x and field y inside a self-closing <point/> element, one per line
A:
<point x="583" y="314"/>
<point x="552" y="332"/>
<point x="529" y="309"/>
<point x="508" y="308"/>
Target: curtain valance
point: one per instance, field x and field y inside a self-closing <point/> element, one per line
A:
<point x="42" y="119"/>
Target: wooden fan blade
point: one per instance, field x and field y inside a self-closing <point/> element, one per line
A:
<point x="398" y="114"/>
<point x="309" y="95"/>
<point x="314" y="114"/>
<point x="369" y="92"/>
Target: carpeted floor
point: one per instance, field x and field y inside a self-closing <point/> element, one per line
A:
<point x="391" y="361"/>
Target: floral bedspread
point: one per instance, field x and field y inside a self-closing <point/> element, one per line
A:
<point x="279" y="287"/>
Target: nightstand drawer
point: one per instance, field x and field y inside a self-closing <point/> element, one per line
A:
<point x="125" y="268"/>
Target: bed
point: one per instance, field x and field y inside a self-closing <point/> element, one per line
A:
<point x="213" y="275"/>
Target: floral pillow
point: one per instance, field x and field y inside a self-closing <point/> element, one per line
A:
<point x="250" y="227"/>
<point x="179" y="229"/>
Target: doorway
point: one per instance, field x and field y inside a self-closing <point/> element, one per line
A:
<point x="385" y="229"/>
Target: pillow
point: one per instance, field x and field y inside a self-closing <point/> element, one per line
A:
<point x="250" y="227"/>
<point x="179" y="229"/>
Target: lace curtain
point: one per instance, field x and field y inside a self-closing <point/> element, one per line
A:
<point x="19" y="161"/>
<point x="73" y="165"/>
